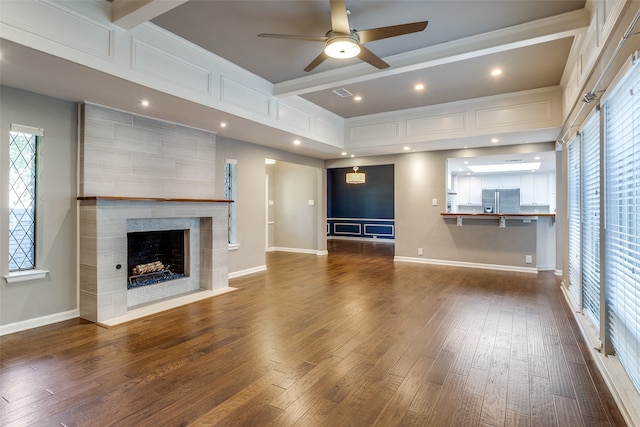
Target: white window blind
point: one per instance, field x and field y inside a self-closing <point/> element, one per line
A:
<point x="622" y="221"/>
<point x="590" y="215"/>
<point x="573" y="210"/>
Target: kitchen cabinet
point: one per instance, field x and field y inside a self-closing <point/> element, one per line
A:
<point x="501" y="181"/>
<point x="534" y="190"/>
<point x="469" y="191"/>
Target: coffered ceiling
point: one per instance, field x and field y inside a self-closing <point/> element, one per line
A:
<point x="530" y="41"/>
<point x="521" y="37"/>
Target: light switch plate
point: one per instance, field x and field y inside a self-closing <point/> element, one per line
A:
<point x="434" y="202"/>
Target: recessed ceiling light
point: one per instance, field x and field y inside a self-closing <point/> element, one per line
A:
<point x="494" y="140"/>
<point x="466" y="163"/>
<point x="406" y="148"/>
<point x="466" y="146"/>
<point x="536" y="158"/>
<point x="344" y="153"/>
<point x="223" y="125"/>
<point x="353" y="155"/>
<point x="296" y="142"/>
<point x="496" y="72"/>
<point x="144" y="103"/>
<point x="357" y="98"/>
<point x="419" y="86"/>
<point x="269" y="161"/>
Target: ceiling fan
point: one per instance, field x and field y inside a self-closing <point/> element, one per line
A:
<point x="342" y="41"/>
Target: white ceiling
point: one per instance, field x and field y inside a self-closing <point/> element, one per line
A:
<point x="530" y="40"/>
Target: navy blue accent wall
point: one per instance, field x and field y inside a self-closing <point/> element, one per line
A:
<point x="373" y="199"/>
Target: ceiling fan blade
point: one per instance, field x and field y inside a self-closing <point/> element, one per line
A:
<point x="319" y="59"/>
<point x="339" y="17"/>
<point x="367" y="56"/>
<point x="390" y="31"/>
<point x="295" y="37"/>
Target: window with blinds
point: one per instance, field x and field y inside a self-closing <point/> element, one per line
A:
<point x="622" y="221"/>
<point x="573" y="209"/>
<point x="590" y="215"/>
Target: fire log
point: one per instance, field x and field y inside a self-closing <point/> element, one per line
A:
<point x="147" y="268"/>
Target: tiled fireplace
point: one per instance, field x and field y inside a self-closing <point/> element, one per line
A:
<point x="105" y="223"/>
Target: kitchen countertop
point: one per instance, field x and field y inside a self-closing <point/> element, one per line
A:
<point x="497" y="214"/>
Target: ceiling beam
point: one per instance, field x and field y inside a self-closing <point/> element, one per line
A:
<point x="540" y="31"/>
<point x="128" y="14"/>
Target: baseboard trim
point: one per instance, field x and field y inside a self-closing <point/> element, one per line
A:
<point x="624" y="393"/>
<point x="297" y="250"/>
<point x="247" y="271"/>
<point x="361" y="239"/>
<point x="38" y="321"/>
<point x="467" y="264"/>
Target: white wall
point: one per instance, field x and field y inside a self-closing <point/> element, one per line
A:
<point x="54" y="297"/>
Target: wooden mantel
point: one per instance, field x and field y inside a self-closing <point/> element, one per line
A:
<point x="152" y="199"/>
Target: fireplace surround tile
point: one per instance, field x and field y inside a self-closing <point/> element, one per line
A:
<point x="103" y="286"/>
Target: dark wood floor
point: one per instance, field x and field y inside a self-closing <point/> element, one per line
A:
<point x="350" y="339"/>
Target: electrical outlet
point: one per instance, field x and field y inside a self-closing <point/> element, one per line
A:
<point x="419" y="251"/>
<point x="528" y="259"/>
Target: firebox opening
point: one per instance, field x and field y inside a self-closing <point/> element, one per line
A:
<point x="157" y="256"/>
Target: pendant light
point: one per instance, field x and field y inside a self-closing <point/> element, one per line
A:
<point x="355" y="177"/>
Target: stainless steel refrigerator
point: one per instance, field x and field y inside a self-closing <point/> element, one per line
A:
<point x="500" y="200"/>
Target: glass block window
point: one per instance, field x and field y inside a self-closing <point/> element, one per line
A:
<point x="23" y="143"/>
<point x="230" y="193"/>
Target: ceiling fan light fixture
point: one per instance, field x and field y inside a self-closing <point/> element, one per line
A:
<point x="342" y="47"/>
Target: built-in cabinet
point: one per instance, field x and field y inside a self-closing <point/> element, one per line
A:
<point x="469" y="191"/>
<point x="535" y="188"/>
<point x="501" y="181"/>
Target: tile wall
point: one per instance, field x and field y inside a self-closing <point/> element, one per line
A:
<point x="126" y="155"/>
